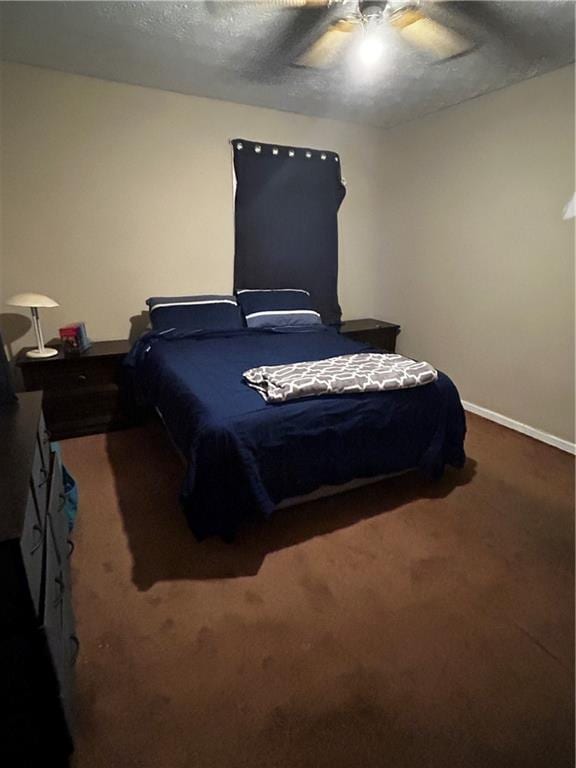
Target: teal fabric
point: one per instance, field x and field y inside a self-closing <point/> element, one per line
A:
<point x="70" y="491"/>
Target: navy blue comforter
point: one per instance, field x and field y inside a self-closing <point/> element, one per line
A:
<point x="245" y="455"/>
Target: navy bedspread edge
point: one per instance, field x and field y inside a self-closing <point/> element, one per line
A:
<point x="228" y="480"/>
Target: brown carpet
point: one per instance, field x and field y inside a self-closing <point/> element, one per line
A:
<point x="404" y="624"/>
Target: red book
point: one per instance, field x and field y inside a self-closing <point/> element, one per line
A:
<point x="73" y="337"/>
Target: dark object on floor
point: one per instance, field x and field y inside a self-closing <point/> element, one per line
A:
<point x="83" y="394"/>
<point x="404" y="624"/>
<point x="38" y="644"/>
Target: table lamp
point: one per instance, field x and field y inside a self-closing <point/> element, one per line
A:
<point x="34" y="301"/>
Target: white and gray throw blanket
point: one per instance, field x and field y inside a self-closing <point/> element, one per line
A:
<point x="345" y="374"/>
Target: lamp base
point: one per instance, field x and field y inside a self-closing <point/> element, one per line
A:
<point x="46" y="352"/>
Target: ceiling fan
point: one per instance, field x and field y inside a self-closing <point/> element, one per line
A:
<point x="410" y="18"/>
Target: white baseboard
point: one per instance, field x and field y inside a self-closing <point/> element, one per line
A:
<point x="525" y="429"/>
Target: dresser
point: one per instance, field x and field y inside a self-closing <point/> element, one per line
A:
<point x="83" y="394"/>
<point x="38" y="643"/>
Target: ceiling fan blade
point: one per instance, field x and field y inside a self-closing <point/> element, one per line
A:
<point x="425" y="33"/>
<point x="325" y="50"/>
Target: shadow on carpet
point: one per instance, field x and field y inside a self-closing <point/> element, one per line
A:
<point x="148" y="474"/>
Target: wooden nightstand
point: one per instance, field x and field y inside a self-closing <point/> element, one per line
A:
<point x="375" y="332"/>
<point x="83" y="394"/>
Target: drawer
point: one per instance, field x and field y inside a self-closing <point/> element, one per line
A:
<point x="58" y="618"/>
<point x="381" y="338"/>
<point x="40" y="481"/>
<point x="78" y="403"/>
<point x="56" y="597"/>
<point x="44" y="443"/>
<point x="70" y="650"/>
<point x="85" y="412"/>
<point x="32" y="548"/>
<point x="72" y="374"/>
<point x="56" y="502"/>
<point x="55" y="589"/>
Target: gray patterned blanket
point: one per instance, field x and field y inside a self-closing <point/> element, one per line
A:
<point x="345" y="374"/>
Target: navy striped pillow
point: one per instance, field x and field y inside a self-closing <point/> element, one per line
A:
<point x="194" y="313"/>
<point x="278" y="307"/>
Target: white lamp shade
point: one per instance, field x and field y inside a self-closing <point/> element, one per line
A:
<point x="31" y="300"/>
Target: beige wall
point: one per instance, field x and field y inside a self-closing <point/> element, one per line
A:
<point x="452" y="224"/>
<point x="114" y="192"/>
<point x="478" y="265"/>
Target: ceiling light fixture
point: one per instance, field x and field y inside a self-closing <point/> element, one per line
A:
<point x="371" y="49"/>
<point x="372" y="46"/>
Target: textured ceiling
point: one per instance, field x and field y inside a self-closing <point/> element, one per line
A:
<point x="239" y="52"/>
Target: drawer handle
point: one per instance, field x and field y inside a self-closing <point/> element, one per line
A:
<point x="60" y="581"/>
<point x="82" y="378"/>
<point x="40" y="530"/>
<point x="75" y="648"/>
<point x="71" y="546"/>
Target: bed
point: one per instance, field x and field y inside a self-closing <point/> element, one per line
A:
<point x="245" y="457"/>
